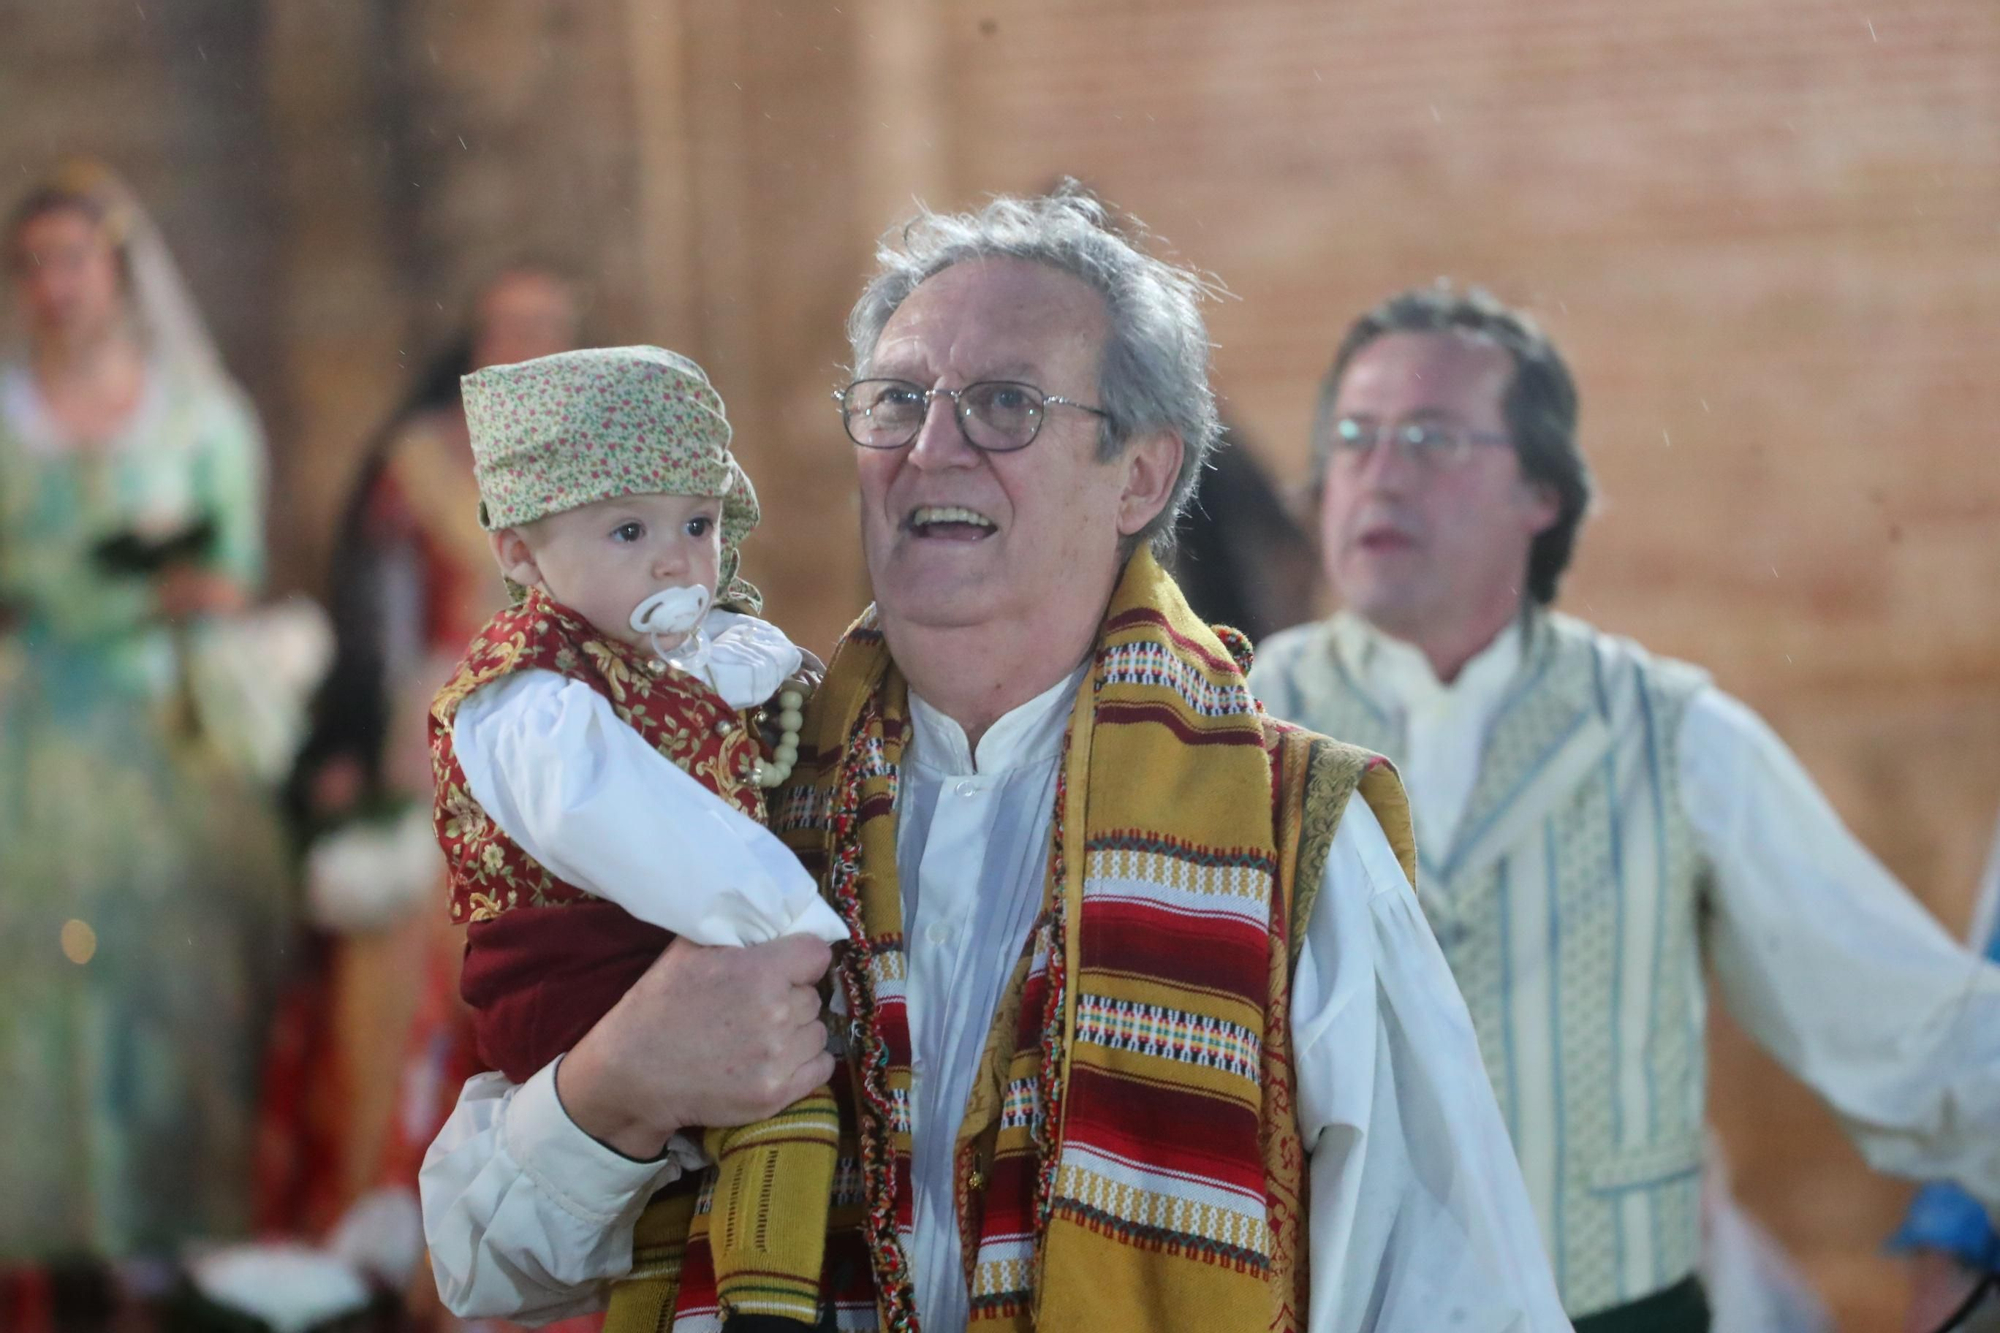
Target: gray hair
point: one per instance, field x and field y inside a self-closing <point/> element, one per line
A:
<point x="1154" y="375"/>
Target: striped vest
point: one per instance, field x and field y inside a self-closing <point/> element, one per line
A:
<point x="1569" y="907"/>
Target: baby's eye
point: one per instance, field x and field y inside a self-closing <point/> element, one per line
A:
<point x="628" y="532"/>
<point x="700" y="527"/>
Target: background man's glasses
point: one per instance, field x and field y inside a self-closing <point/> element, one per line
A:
<point x="997" y="416"/>
<point x="1432" y="444"/>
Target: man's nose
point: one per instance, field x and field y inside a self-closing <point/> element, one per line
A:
<point x="940" y="442"/>
<point x="1388" y="469"/>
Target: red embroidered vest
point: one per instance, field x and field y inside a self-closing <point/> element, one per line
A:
<point x="678" y="715"/>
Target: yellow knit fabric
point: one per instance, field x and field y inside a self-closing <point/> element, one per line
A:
<point x="765" y="1223"/>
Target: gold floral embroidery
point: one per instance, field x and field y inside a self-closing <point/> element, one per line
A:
<point x="685" y="722"/>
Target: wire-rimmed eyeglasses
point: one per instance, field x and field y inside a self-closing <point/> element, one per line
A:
<point x="1432" y="444"/>
<point x="997" y="416"/>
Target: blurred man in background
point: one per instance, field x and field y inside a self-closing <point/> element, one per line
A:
<point x="1595" y="824"/>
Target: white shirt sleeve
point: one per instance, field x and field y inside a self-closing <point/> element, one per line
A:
<point x="748" y="658"/>
<point x="528" y="1217"/>
<point x="1986" y="914"/>
<point x="1419" y="1218"/>
<point x="1833" y="968"/>
<point x="585" y="795"/>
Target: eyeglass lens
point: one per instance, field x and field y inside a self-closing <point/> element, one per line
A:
<point x="995" y="414"/>
<point x="1425" y="441"/>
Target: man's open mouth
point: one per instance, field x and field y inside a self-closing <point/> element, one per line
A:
<point x="950" y="522"/>
<point x="1383" y="539"/>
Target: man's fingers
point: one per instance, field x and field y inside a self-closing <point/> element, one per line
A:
<point x="800" y="959"/>
<point x="817" y="1070"/>
<point x="801" y="1044"/>
<point x="804" y="1007"/>
<point x="780" y="1092"/>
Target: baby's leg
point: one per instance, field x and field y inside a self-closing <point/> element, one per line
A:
<point x="767" y="1221"/>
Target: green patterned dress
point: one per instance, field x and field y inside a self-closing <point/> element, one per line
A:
<point x="140" y="899"/>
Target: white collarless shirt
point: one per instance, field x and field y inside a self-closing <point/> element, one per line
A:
<point x="1418" y="1216"/>
<point x="1444" y="726"/>
<point x="972" y="849"/>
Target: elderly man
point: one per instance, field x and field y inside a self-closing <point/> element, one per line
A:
<point x="1595" y="824"/>
<point x="1142" y="1031"/>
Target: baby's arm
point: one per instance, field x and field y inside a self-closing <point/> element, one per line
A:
<point x="587" y="797"/>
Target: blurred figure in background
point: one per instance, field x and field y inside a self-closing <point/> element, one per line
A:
<point x="141" y="894"/>
<point x="411" y="577"/>
<point x="1240" y="556"/>
<point x="1596" y="824"/>
<point x="376" y="1044"/>
<point x="1951" y="1239"/>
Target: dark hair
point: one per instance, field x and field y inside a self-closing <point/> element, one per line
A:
<point x="350" y="712"/>
<point x="1240" y="555"/>
<point x="54" y="199"/>
<point x="49" y="199"/>
<point x="1540" y="406"/>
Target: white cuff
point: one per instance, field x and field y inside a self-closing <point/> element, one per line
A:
<point x="748" y="658"/>
<point x="587" y="1178"/>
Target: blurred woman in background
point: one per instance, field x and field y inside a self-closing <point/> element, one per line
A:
<point x="140" y="892"/>
<point x="411" y="574"/>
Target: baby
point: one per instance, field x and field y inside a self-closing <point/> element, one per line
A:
<point x="600" y="777"/>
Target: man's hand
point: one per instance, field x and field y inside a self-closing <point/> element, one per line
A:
<point x="709" y="1037"/>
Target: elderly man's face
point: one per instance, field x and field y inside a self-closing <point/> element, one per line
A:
<point x="1044" y="522"/>
<point x="1419" y="548"/>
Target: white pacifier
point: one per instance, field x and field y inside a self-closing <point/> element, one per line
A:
<point x="676" y="613"/>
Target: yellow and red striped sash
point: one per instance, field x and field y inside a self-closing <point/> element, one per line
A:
<point x="1130" y="1155"/>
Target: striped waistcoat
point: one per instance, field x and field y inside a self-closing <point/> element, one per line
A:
<point x="1569" y="907"/>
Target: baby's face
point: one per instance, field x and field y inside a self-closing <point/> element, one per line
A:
<point x="603" y="559"/>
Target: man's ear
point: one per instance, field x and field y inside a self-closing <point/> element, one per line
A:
<point x="1152" y="465"/>
<point x="1542" y="506"/>
<point x="514" y="556"/>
